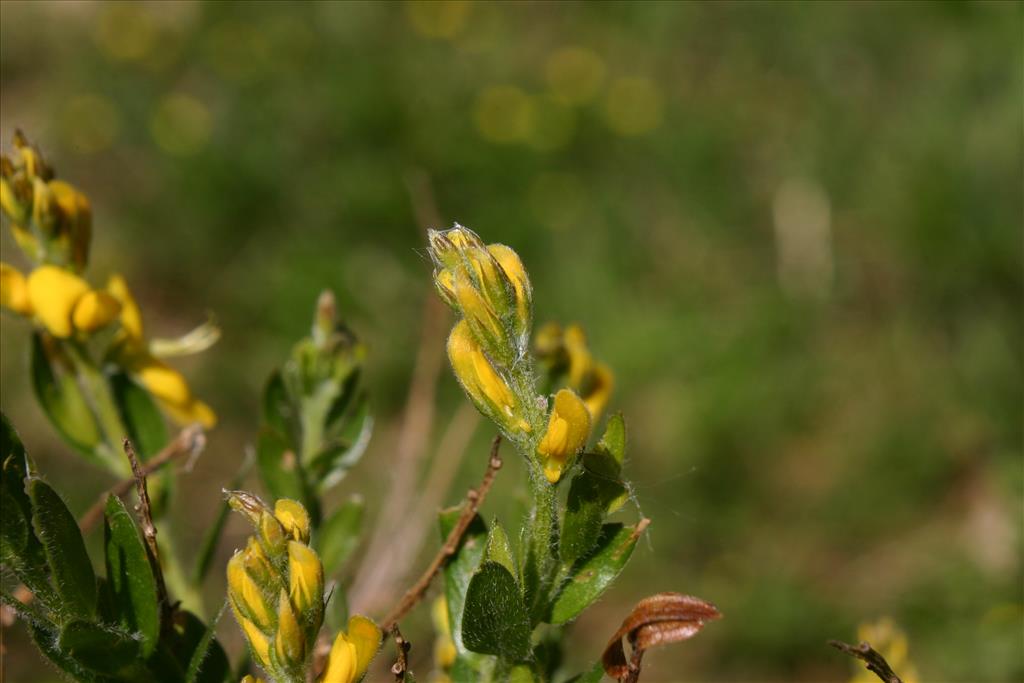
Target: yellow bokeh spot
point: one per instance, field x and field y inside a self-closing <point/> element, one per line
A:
<point x="574" y="74"/>
<point x="504" y="113"/>
<point x="181" y="124"/>
<point x="125" y="32"/>
<point x="438" y="18"/>
<point x="89" y="123"/>
<point x="634" y="106"/>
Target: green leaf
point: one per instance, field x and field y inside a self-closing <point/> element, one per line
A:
<point x="130" y="577"/>
<point x="181" y="644"/>
<point x="279" y="412"/>
<point x="591" y="494"/>
<point x="100" y="649"/>
<point x="495" y="620"/>
<point x="48" y="643"/>
<point x="613" y="442"/>
<point x="498" y="548"/>
<point x="339" y="535"/>
<point x="208" y="663"/>
<point x="144" y="422"/>
<point x="279" y="467"/>
<point x="331" y="464"/>
<point x="459" y="568"/>
<point x="593" y="675"/>
<point x="61" y="399"/>
<point x="591" y="575"/>
<point x="64" y="548"/>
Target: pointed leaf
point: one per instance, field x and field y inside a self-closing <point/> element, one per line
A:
<point x="279" y="467"/>
<point x="459" y="568"/>
<point x="594" y="573"/>
<point x="331" y="464"/>
<point x="97" y="648"/>
<point x="208" y="663"/>
<point x="129" y="576"/>
<point x="339" y="535"/>
<point x="49" y="644"/>
<point x="179" y="648"/>
<point x="61" y="399"/>
<point x="279" y="412"/>
<point x="591" y="495"/>
<point x="72" y="572"/>
<point x="495" y="620"/>
<point x="142" y="419"/>
<point x="498" y="548"/>
<point x="613" y="442"/>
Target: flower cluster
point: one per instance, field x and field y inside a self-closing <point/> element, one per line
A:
<point x="52" y="223"/>
<point x="276" y="591"/>
<point x="565" y="356"/>
<point x="488" y="349"/>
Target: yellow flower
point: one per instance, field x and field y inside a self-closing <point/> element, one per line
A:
<point x="890" y="641"/>
<point x="14" y="290"/>
<point x="76" y="223"/>
<point x="567" y="432"/>
<point x="513" y="266"/>
<point x="489" y="391"/>
<point x="289" y="644"/>
<point x="56" y="295"/>
<point x="94" y="310"/>
<point x="305" y="576"/>
<point x="257" y="640"/>
<point x="131" y="316"/>
<point x="444" y="647"/>
<point x="246" y="596"/>
<point x="352" y="652"/>
<point x="565" y="353"/>
<point x="601" y="384"/>
<point x="294" y="518"/>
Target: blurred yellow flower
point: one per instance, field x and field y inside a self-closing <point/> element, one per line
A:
<point x="352" y="651"/>
<point x="889" y="640"/>
<point x="181" y="124"/>
<point x="438" y="18"/>
<point x="294" y="518"/>
<point x="574" y="74"/>
<point x="567" y="432"/>
<point x="61" y="301"/>
<point x="14" y="290"/>
<point x="634" y="106"/>
<point x="305" y="576"/>
<point x="504" y="113"/>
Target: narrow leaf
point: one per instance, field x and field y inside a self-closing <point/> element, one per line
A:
<point x="142" y="419"/>
<point x="339" y="535"/>
<point x="129" y="576"/>
<point x="72" y="572"/>
<point x="279" y="467"/>
<point x="591" y="575"/>
<point x="62" y="400"/>
<point x="205" y="667"/>
<point x="97" y="648"/>
<point x="279" y="411"/>
<point x="495" y="620"/>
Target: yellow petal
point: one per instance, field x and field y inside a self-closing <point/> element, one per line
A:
<point x="131" y="316"/>
<point x="94" y="310"/>
<point x="341" y="663"/>
<point x="365" y="637"/>
<point x="513" y="266"/>
<point x="601" y="384"/>
<point x="246" y="594"/>
<point x="293" y="518"/>
<point x="567" y="432"/>
<point x="53" y="293"/>
<point x="475" y="308"/>
<point x="305" y="576"/>
<point x="580" y="360"/>
<point x="14" y="290"/>
<point x="259" y="642"/>
<point x="163" y="381"/>
<point x="77" y="214"/>
<point x="192" y="412"/>
<point x="478" y="377"/>
<point x="289" y="644"/>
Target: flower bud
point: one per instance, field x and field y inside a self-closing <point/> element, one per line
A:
<point x="75" y="221"/>
<point x="246" y="596"/>
<point x="294" y="518"/>
<point x="488" y="390"/>
<point x="352" y="652"/>
<point x="305" y="577"/>
<point x="567" y="432"/>
<point x="258" y="642"/>
<point x="94" y="310"/>
<point x="14" y="290"/>
<point x="289" y="643"/>
<point x="512" y="265"/>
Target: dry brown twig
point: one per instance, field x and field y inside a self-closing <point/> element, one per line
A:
<point x="474" y="498"/>
<point x="148" y="528"/>
<point x="401" y="666"/>
<point x="874" y="661"/>
<point x="190" y="441"/>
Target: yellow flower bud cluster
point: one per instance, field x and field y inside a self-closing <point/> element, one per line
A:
<point x="51" y="220"/>
<point x="488" y="286"/>
<point x="276" y="591"/>
<point x="565" y="355"/>
<point x="59" y="300"/>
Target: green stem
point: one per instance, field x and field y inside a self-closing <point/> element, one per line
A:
<point x="541" y="563"/>
<point x="103" y="406"/>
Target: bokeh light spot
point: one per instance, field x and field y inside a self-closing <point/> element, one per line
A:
<point x="125" y="32"/>
<point x="438" y="18"/>
<point x="557" y="199"/>
<point x="181" y="124"/>
<point x="553" y="125"/>
<point x="574" y="74"/>
<point x="89" y="123"/>
<point x="634" y="106"/>
<point x="504" y="113"/>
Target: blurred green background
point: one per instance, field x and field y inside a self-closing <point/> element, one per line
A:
<point x="794" y="231"/>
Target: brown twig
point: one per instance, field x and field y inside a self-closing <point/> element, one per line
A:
<point x="474" y="498"/>
<point x="148" y="528"/>
<point x="401" y="666"/>
<point x="872" y="659"/>
<point x="190" y="441"/>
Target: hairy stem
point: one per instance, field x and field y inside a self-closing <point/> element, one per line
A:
<point x="541" y="563"/>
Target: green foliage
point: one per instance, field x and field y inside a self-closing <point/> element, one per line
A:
<point x="69" y="564"/>
<point x="129" y="576"/>
<point x="57" y="391"/>
<point x="591" y="575"/>
<point x="145" y="425"/>
<point x="339" y="534"/>
<point x="495" y="620"/>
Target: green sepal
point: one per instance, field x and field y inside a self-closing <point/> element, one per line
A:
<point x="590" y="576"/>
<point x="130" y="580"/>
<point x="338" y="537"/>
<point x="60" y="397"/>
<point x="592" y="493"/>
<point x="143" y="420"/>
<point x="495" y="620"/>
<point x="70" y="567"/>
